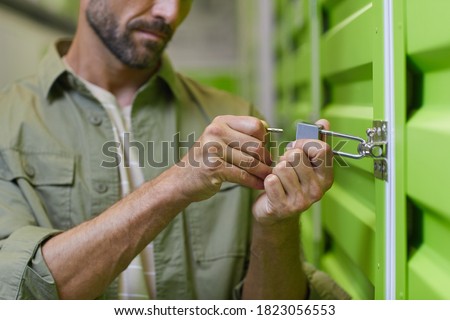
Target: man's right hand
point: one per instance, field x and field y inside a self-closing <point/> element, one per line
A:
<point x="230" y="149"/>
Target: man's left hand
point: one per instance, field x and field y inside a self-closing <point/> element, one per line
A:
<point x="303" y="175"/>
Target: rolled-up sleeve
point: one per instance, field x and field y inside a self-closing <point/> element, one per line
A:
<point x="23" y="272"/>
<point x="322" y="286"/>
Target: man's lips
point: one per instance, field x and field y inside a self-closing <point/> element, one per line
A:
<point x="151" y="34"/>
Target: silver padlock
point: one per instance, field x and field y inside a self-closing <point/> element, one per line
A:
<point x="365" y="148"/>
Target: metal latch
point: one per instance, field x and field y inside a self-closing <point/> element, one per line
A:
<point x="373" y="147"/>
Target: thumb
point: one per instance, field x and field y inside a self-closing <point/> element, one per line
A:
<point x="324" y="123"/>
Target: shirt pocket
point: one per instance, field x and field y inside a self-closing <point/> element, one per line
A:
<point x="45" y="178"/>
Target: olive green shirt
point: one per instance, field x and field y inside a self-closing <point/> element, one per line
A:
<point x="58" y="169"/>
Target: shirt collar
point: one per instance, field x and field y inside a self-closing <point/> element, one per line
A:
<point x="52" y="68"/>
<point x="167" y="73"/>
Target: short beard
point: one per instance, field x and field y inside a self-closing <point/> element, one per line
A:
<point x="121" y="45"/>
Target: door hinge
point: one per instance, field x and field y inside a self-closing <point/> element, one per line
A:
<point x="374" y="146"/>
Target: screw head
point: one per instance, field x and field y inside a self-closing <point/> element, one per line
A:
<point x="376" y="151"/>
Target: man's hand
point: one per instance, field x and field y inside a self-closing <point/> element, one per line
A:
<point x="230" y="149"/>
<point x="300" y="179"/>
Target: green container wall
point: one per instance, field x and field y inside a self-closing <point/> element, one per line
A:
<point x="293" y="85"/>
<point x="428" y="134"/>
<point x="352" y="73"/>
<point x="349" y="217"/>
<point x="293" y="56"/>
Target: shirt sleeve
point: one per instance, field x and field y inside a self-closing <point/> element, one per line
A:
<point x="321" y="286"/>
<point x="23" y="272"/>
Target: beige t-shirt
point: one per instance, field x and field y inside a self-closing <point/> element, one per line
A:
<point x="138" y="280"/>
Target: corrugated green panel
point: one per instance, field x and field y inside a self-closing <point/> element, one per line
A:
<point x="346" y="273"/>
<point x="293" y="85"/>
<point x="428" y="187"/>
<point x="358" y="92"/>
<point x="290" y="71"/>
<point x="293" y="68"/>
<point x="429" y="266"/>
<point x="350" y="222"/>
<point x="349" y="207"/>
<point x="303" y="64"/>
<point x="425" y="266"/>
<point x="297" y="15"/>
<point x="428" y="132"/>
<point x="428" y="40"/>
<point x="428" y="180"/>
<point x="349" y="45"/>
<point x="340" y="10"/>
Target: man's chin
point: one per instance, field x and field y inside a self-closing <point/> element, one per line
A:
<point x="144" y="62"/>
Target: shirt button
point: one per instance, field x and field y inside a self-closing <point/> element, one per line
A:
<point x="29" y="170"/>
<point x="95" y="120"/>
<point x="101" y="188"/>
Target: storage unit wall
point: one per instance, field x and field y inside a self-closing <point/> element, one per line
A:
<point x="428" y="134"/>
<point x="376" y="60"/>
<point x="293" y="87"/>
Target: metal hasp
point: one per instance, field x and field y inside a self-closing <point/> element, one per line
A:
<point x="375" y="146"/>
<point x="377" y="142"/>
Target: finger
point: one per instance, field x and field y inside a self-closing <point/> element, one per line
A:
<point x="324" y="123"/>
<point x="303" y="168"/>
<point x="311" y="183"/>
<point x="317" y="151"/>
<point x="320" y="157"/>
<point x="249" y="125"/>
<point x="234" y="174"/>
<point x="250" y="145"/>
<point x="288" y="177"/>
<point x="246" y="162"/>
<point x="274" y="189"/>
<point x="227" y="131"/>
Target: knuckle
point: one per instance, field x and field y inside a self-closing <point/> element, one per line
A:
<point x="244" y="175"/>
<point x="214" y="129"/>
<point x="271" y="181"/>
<point x="219" y="119"/>
<point x="316" y="192"/>
<point x="280" y="167"/>
<point x="247" y="163"/>
<point x="294" y="156"/>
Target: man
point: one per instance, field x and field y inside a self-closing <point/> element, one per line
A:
<point x="184" y="232"/>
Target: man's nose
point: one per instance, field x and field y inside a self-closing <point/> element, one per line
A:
<point x="168" y="10"/>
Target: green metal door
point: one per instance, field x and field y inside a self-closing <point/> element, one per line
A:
<point x="428" y="134"/>
<point x="378" y="60"/>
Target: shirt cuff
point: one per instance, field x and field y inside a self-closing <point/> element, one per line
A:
<point x="321" y="286"/>
<point x="23" y="272"/>
<point x="237" y="291"/>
